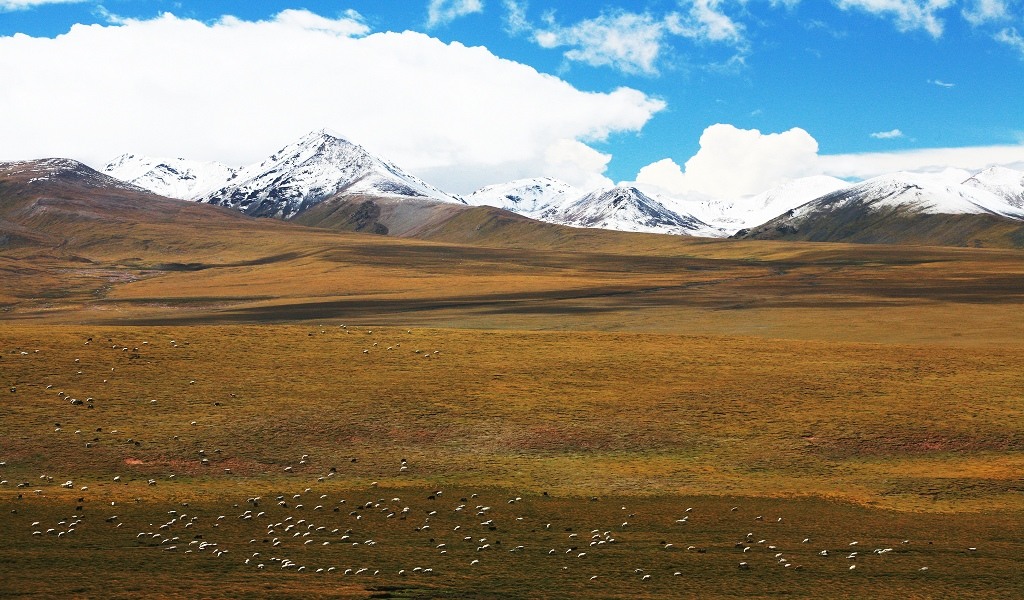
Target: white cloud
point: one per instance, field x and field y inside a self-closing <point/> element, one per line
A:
<point x="9" y="5"/>
<point x="440" y="12"/>
<point x="929" y="160"/>
<point x="626" y="41"/>
<point x="909" y="15"/>
<point x="577" y="164"/>
<point x="665" y="174"/>
<point x="236" y="90"/>
<point x="941" y="83"/>
<point x="887" y="135"/>
<point x="733" y="162"/>
<point x="1011" y="38"/>
<point x="515" y="17"/>
<point x="706" y="21"/>
<point x="978" y="12"/>
<point x="351" y="25"/>
<point x="633" y="43"/>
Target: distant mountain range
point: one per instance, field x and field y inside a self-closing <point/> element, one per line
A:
<point x="318" y="166"/>
<point x="322" y="167"/>
<point x="906" y="207"/>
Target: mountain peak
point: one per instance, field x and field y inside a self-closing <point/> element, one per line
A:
<point x="530" y="197"/>
<point x="170" y="177"/>
<point x="316" y="167"/>
<point x="626" y="208"/>
<point x="63" y="169"/>
<point x="319" y="137"/>
<point x="1006" y="183"/>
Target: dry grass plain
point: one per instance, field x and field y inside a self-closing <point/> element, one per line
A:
<point x="845" y="442"/>
<point x="834" y="393"/>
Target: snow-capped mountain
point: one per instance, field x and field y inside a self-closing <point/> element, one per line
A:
<point x="550" y="200"/>
<point x="732" y="215"/>
<point x="915" y="192"/>
<point x="316" y="167"/>
<point x="899" y="208"/>
<point x="171" y="177"/>
<point x="622" y="208"/>
<point x="1005" y="183"/>
<point x="529" y="197"/>
<point x="625" y="208"/>
<point x="64" y="169"/>
<point x="322" y="165"/>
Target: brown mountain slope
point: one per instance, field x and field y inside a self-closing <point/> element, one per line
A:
<point x="384" y="216"/>
<point x="90" y="251"/>
<point x="832" y="220"/>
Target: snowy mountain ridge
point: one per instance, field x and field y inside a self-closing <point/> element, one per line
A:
<point x="625" y="208"/>
<point x="917" y="192"/>
<point x="1006" y="183"/>
<point x="171" y="177"/>
<point x="322" y="165"/>
<point x="530" y="197"/>
<point x="316" y="167"/>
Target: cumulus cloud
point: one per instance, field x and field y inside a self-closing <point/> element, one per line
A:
<point x="9" y="5"/>
<point x="440" y="12"/>
<point x="909" y="15"/>
<point x="235" y="91"/>
<point x="350" y="26"/>
<point x="577" y="161"/>
<point x="887" y="135"/>
<point x="733" y="162"/>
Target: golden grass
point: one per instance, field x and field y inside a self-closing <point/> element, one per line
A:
<point x="573" y="412"/>
<point x="646" y="283"/>
<point x="824" y="435"/>
<point x="860" y="392"/>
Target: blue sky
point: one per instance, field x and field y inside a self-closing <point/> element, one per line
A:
<point x="926" y="84"/>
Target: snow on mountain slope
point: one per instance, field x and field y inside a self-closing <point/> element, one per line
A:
<point x="313" y="169"/>
<point x="527" y="197"/>
<point x="322" y="165"/>
<point x="622" y="208"/>
<point x="625" y="208"/>
<point x="171" y="177"/>
<point x="916" y="192"/>
<point x="64" y="169"/>
<point x="732" y="215"/>
<point x="1008" y="184"/>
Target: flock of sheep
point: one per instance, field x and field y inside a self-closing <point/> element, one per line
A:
<point x="332" y="527"/>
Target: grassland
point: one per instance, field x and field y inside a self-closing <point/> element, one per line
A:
<point x="575" y="383"/>
<point x="846" y="441"/>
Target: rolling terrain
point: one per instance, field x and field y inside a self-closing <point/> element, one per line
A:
<point x="367" y="193"/>
<point x="618" y="415"/>
<point x="907" y="208"/>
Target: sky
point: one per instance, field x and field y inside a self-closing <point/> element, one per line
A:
<point x="703" y="98"/>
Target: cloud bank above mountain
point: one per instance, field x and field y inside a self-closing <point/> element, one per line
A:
<point x="732" y="162"/>
<point x="235" y="90"/>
